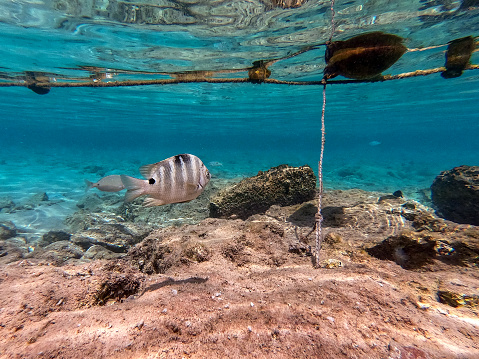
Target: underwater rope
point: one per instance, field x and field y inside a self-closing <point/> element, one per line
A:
<point x="319" y="216"/>
<point x="333" y="27"/>
<point x="129" y="83"/>
<point x="360" y="59"/>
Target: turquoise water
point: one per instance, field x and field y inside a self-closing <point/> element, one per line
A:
<point x="379" y="136"/>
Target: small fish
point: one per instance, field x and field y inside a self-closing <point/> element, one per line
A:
<point x="374" y="143"/>
<point x="215" y="164"/>
<point x="111" y="183"/>
<point x="177" y="179"/>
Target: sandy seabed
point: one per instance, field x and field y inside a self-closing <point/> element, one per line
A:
<point x="247" y="289"/>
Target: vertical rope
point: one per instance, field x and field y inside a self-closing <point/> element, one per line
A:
<point x="333" y="27"/>
<point x="319" y="216"/>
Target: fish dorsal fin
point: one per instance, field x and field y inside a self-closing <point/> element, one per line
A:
<point x="146" y="170"/>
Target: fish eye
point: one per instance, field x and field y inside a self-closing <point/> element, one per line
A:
<point x="151" y="181"/>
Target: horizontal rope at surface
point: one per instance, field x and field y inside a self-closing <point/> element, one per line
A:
<point x="129" y="83"/>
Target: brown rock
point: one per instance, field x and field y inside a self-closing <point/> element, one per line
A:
<point x="117" y="237"/>
<point x="333" y="239"/>
<point x="117" y="281"/>
<point x="54" y="236"/>
<point x="410" y="250"/>
<point x="455" y="194"/>
<point x="99" y="252"/>
<point x="283" y="185"/>
<point x="458" y="299"/>
<point x="151" y="256"/>
<point x="7" y="230"/>
<point x="58" y="252"/>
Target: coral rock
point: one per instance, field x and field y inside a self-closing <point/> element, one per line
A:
<point x="58" y="252"/>
<point x="283" y="185"/>
<point x="410" y="250"/>
<point x="331" y="263"/>
<point x="6" y="204"/>
<point x="54" y="236"/>
<point x="151" y="256"/>
<point x="458" y="300"/>
<point x="7" y="230"/>
<point x="455" y="194"/>
<point x="99" y="252"/>
<point x="117" y="237"/>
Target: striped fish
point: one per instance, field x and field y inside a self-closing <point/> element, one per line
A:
<point x="180" y="178"/>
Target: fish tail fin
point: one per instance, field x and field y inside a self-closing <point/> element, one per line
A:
<point x="134" y="187"/>
<point x="88" y="185"/>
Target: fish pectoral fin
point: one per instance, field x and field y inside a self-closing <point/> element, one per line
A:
<point x="192" y="187"/>
<point x="152" y="202"/>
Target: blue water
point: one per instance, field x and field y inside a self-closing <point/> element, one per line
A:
<point x="379" y="136"/>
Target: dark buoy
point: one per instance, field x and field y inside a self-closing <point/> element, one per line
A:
<point x="458" y="55"/>
<point x="364" y="56"/>
<point x="33" y="78"/>
<point x="39" y="89"/>
<point x="259" y="72"/>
